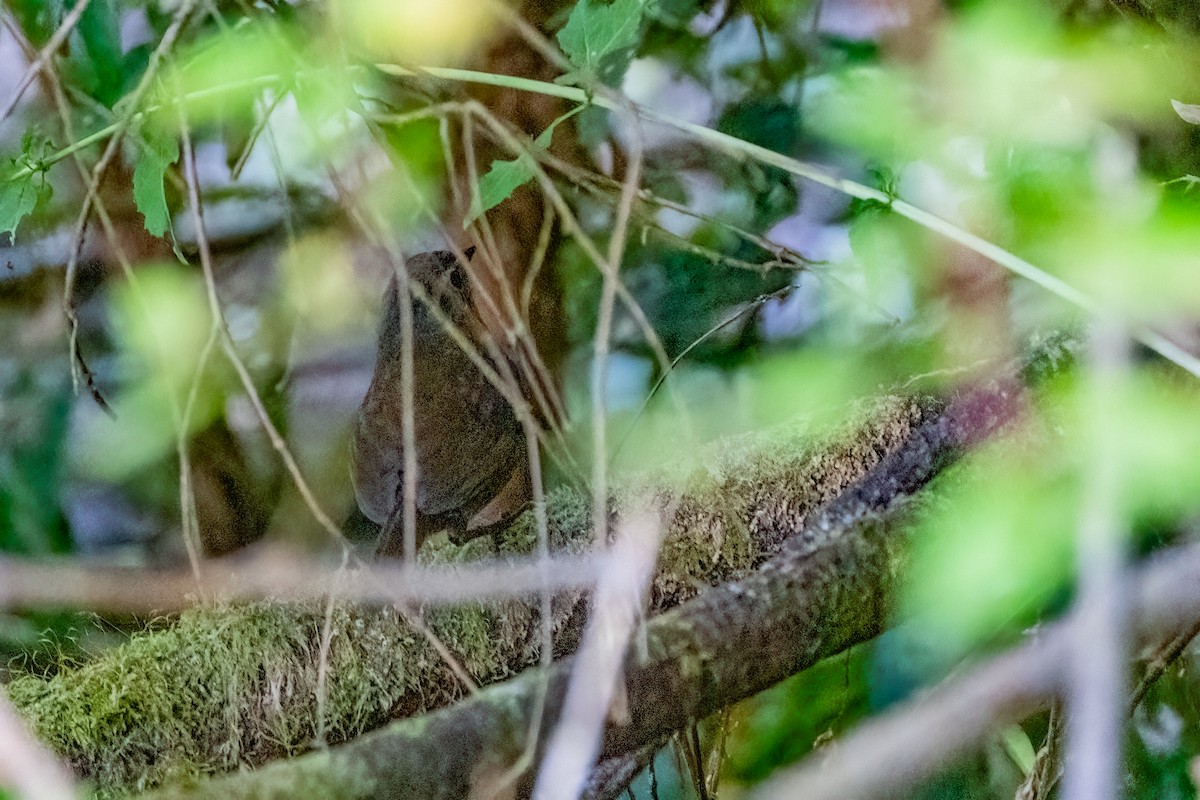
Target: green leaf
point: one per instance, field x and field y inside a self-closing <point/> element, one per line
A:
<point x="18" y="197"/>
<point x="23" y="183"/>
<point x="505" y="177"/>
<point x="101" y="36"/>
<point x="501" y="180"/>
<point x="1019" y="748"/>
<point x="160" y="151"/>
<point x="37" y="18"/>
<point x="596" y="31"/>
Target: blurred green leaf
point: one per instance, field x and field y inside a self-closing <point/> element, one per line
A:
<point x="99" y="31"/>
<point x="1132" y="254"/>
<point x="414" y="189"/>
<point x="226" y="73"/>
<point x="874" y="110"/>
<point x="37" y="18"/>
<point x="161" y="150"/>
<point x="1015" y="73"/>
<point x="1001" y="544"/>
<point x="998" y="546"/>
<point x="788" y="721"/>
<point x="1157" y="435"/>
<point x="1019" y="748"/>
<point x="1042" y="188"/>
<point x="895" y="255"/>
<point x="162" y="327"/>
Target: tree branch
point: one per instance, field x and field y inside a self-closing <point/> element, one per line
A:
<point x="826" y="590"/>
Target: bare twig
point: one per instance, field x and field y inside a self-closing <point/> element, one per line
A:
<point x="600" y="345"/>
<point x="1163" y="658"/>
<point x="408" y="424"/>
<point x="533" y="735"/>
<point x="1047" y="764"/>
<point x="97" y="175"/>
<point x="322" y="688"/>
<point x="283" y="576"/>
<point x="538" y="259"/>
<point x="732" y="318"/>
<point x="26" y="767"/>
<point x="1098" y="651"/>
<point x="56" y="41"/>
<point x="595" y="680"/>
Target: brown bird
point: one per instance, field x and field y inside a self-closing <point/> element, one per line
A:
<point x="472" y="470"/>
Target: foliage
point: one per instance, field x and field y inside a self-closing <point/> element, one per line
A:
<point x="1066" y="141"/>
<point x="596" y="36"/>
<point x="23" y="183"/>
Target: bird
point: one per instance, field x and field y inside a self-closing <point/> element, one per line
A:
<point x="471" y="459"/>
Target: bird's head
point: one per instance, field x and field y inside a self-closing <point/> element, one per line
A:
<point x="443" y="277"/>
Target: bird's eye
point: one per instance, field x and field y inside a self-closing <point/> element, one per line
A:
<point x="456" y="279"/>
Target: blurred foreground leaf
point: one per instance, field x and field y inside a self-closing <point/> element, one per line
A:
<point x="1001" y="544"/>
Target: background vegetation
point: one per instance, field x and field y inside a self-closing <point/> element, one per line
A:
<point x="811" y="203"/>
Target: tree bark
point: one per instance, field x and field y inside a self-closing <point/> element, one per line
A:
<point x="826" y="590"/>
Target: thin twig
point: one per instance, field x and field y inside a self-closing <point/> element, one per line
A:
<point x="597" y="672"/>
<point x="28" y="768"/>
<point x="1047" y="764"/>
<point x="321" y="690"/>
<point x="1096" y="683"/>
<point x="538" y="259"/>
<point x="825" y="176"/>
<point x="545" y="601"/>
<point x="97" y="175"/>
<point x="282" y="576"/>
<point x="1166" y="655"/>
<point x="408" y="422"/>
<point x="56" y="41"/>
<point x="749" y="308"/>
<point x="600" y="344"/>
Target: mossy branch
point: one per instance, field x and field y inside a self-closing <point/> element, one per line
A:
<point x="824" y="591"/>
<point x="232" y="686"/>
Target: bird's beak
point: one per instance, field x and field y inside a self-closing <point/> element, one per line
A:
<point x="469" y="252"/>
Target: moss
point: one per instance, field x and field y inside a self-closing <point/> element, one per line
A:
<point x="229" y="686"/>
<point x="225" y="686"/>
